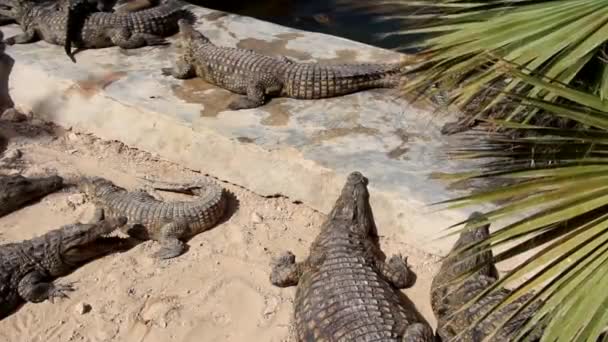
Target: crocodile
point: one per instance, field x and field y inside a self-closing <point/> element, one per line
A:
<point x="28" y="268"/>
<point x="448" y="295"/>
<point x="258" y="76"/>
<point x="346" y="291"/>
<point x="127" y="30"/>
<point x="152" y="219"/>
<point x="16" y="190"/>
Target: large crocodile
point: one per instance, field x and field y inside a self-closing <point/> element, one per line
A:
<point x="448" y="295"/>
<point x="16" y="190"/>
<point x="258" y="76"/>
<point x="27" y="268"/>
<point x="149" y="218"/>
<point x="346" y="291"/>
<point x="128" y="30"/>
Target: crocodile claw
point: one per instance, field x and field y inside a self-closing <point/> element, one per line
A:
<point x="59" y="291"/>
<point x="167" y="71"/>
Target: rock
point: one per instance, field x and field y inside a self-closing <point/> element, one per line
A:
<point x="72" y="136"/>
<point x="75" y="200"/>
<point x="13" y="115"/>
<point x="82" y="308"/>
<point x="12" y="154"/>
<point x="256" y="218"/>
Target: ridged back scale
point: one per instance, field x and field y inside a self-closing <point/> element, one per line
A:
<point x="345" y="298"/>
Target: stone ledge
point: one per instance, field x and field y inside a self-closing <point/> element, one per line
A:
<point x="300" y="149"/>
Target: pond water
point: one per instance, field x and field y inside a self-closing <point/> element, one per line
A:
<point x="335" y="17"/>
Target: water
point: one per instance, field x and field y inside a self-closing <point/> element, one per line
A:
<point x="333" y="17"/>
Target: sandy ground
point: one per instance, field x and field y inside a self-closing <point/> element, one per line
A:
<point x="217" y="291"/>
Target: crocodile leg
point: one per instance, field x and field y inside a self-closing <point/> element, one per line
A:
<point x="182" y="69"/>
<point x="418" y="332"/>
<point x="286" y="271"/>
<point x="123" y="38"/>
<point x="255" y="97"/>
<point x="171" y="246"/>
<point x="397" y="272"/>
<point x="33" y="288"/>
<point x="98" y="215"/>
<point x="256" y="92"/>
<point x="29" y="36"/>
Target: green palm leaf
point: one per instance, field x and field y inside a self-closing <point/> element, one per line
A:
<point x="562" y="39"/>
<point x="561" y="181"/>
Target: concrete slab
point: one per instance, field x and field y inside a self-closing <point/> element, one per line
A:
<point x="300" y="149"/>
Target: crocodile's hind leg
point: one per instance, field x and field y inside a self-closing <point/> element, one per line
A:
<point x="256" y="93"/>
<point x="286" y="271"/>
<point x="171" y="246"/>
<point x="397" y="272"/>
<point x="122" y="38"/>
<point x="418" y="332"/>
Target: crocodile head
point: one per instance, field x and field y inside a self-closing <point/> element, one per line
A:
<point x="188" y="35"/>
<point x="15" y="9"/>
<point x="97" y="186"/>
<point x="476" y="230"/>
<point x="353" y="207"/>
<point x="18" y="190"/>
<point x="78" y="243"/>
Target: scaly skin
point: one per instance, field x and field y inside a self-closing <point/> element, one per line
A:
<point x="79" y="10"/>
<point x="16" y="191"/>
<point x="345" y="289"/>
<point x="447" y="299"/>
<point x="27" y="268"/>
<point x="258" y="76"/>
<point x="129" y="30"/>
<point x="165" y="222"/>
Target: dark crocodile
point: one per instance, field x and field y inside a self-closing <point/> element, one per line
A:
<point x="16" y="190"/>
<point x="127" y="30"/>
<point x="258" y="76"/>
<point x="346" y="291"/>
<point x="448" y="296"/>
<point x="28" y="268"/>
<point x="165" y="222"/>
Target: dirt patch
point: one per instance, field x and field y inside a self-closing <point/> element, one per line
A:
<point x="213" y="99"/>
<point x="95" y="84"/>
<point x="217" y="291"/>
<point x="275" y="47"/>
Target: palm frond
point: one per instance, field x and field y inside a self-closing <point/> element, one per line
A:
<point x="562" y="39"/>
<point x="561" y="182"/>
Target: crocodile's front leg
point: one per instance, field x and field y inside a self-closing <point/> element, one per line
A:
<point x="182" y="70"/>
<point x="28" y="36"/>
<point x="124" y="39"/>
<point x="397" y="272"/>
<point x="34" y="288"/>
<point x="286" y="271"/>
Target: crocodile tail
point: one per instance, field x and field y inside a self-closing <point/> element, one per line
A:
<point x="396" y="74"/>
<point x="77" y="13"/>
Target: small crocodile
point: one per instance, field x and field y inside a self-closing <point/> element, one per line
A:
<point x="128" y="30"/>
<point x="16" y="190"/>
<point x="346" y="291"/>
<point x="449" y="295"/>
<point x="149" y="218"/>
<point x="258" y="76"/>
<point x="27" y="268"/>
